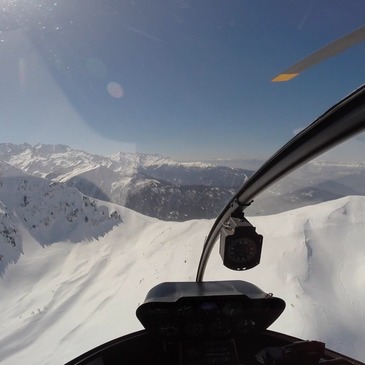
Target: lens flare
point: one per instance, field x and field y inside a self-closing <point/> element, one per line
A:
<point x="115" y="90"/>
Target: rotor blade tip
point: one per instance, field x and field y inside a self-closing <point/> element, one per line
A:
<point x="284" y="77"/>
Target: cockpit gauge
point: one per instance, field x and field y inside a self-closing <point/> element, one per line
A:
<point x="242" y="249"/>
<point x="240" y="245"/>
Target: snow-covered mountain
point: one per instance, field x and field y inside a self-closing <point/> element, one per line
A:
<point x="47" y="211"/>
<point x="315" y="182"/>
<point x="68" y="290"/>
<point x="160" y="187"/>
<point x="131" y="179"/>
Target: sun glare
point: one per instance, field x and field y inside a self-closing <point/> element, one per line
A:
<point x="115" y="90"/>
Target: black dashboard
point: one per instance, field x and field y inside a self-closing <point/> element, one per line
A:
<point x="210" y="323"/>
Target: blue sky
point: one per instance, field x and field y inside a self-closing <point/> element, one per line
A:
<point x="186" y="79"/>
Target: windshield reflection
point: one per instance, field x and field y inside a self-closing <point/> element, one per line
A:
<point x="313" y="223"/>
<point x="333" y="175"/>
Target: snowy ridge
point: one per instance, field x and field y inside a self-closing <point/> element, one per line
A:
<point x="147" y="160"/>
<point x="323" y="163"/>
<point x="315" y="182"/>
<point x="76" y="296"/>
<point x="60" y="159"/>
<point x="112" y="178"/>
<point x="42" y="160"/>
<point x="10" y="238"/>
<point x="49" y="211"/>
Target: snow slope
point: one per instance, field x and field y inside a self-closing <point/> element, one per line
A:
<point x="48" y="211"/>
<point x="61" y="299"/>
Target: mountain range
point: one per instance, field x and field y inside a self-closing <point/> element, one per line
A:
<point x="315" y="182"/>
<point x="169" y="190"/>
<point x="150" y="184"/>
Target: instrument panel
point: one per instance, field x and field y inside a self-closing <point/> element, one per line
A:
<point x="209" y="310"/>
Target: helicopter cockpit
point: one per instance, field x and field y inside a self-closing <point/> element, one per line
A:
<point x="226" y="322"/>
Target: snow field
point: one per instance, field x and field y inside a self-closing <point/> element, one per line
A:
<point x="62" y="299"/>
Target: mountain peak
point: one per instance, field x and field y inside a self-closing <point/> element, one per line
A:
<point x="50" y="212"/>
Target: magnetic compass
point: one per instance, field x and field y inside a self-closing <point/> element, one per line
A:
<point x="242" y="250"/>
<point x="240" y="245"/>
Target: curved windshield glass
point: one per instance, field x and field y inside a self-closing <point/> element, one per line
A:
<point x="313" y="226"/>
<point x="126" y="126"/>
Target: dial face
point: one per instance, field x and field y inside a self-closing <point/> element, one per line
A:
<point x="242" y="250"/>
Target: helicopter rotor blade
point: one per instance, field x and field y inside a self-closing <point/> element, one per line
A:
<point x="331" y="49"/>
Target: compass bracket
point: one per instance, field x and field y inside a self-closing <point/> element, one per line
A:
<point x="240" y="245"/>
